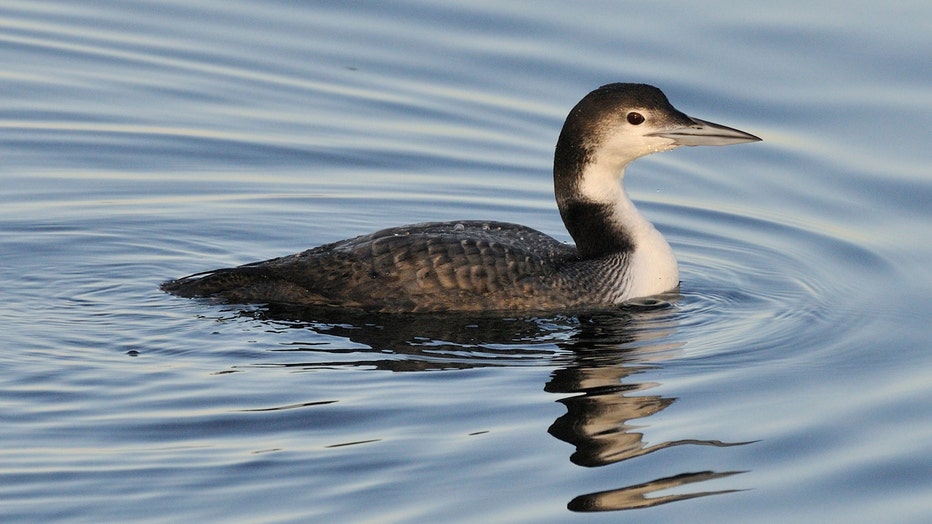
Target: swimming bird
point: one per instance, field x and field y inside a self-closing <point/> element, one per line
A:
<point x="495" y="266"/>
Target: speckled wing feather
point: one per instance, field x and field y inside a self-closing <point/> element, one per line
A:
<point x="423" y="267"/>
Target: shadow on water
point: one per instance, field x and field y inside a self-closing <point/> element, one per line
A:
<point x="597" y="358"/>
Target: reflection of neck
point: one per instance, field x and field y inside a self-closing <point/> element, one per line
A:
<point x="596" y="423"/>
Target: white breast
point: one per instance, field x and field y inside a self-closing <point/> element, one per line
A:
<point x="652" y="268"/>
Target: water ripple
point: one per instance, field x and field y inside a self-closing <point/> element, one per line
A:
<point x="781" y="294"/>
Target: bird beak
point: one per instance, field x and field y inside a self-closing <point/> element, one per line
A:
<point x="702" y="133"/>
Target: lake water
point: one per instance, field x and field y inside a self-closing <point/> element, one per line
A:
<point x="790" y="379"/>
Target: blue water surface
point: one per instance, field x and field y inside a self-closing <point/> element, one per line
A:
<point x="787" y="381"/>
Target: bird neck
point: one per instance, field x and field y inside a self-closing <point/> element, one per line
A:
<point x="603" y="221"/>
<point x="593" y="204"/>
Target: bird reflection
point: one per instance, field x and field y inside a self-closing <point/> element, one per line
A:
<point x="597" y="359"/>
<point x="608" y="354"/>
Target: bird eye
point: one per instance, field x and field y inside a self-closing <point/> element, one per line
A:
<point x="635" y="118"/>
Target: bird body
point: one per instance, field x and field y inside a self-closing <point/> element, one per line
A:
<point x="495" y="266"/>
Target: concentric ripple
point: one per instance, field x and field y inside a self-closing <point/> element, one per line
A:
<point x="753" y="284"/>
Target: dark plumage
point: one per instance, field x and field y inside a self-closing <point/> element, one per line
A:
<point x="422" y="267"/>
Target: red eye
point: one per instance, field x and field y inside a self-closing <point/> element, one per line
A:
<point x="635" y="118"/>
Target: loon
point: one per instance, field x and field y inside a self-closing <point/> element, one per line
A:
<point x="479" y="266"/>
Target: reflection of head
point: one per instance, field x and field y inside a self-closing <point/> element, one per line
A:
<point x="637" y="496"/>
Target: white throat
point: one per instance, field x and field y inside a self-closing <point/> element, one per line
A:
<point x="652" y="267"/>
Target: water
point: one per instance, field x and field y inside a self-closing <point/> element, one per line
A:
<point x="788" y="380"/>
